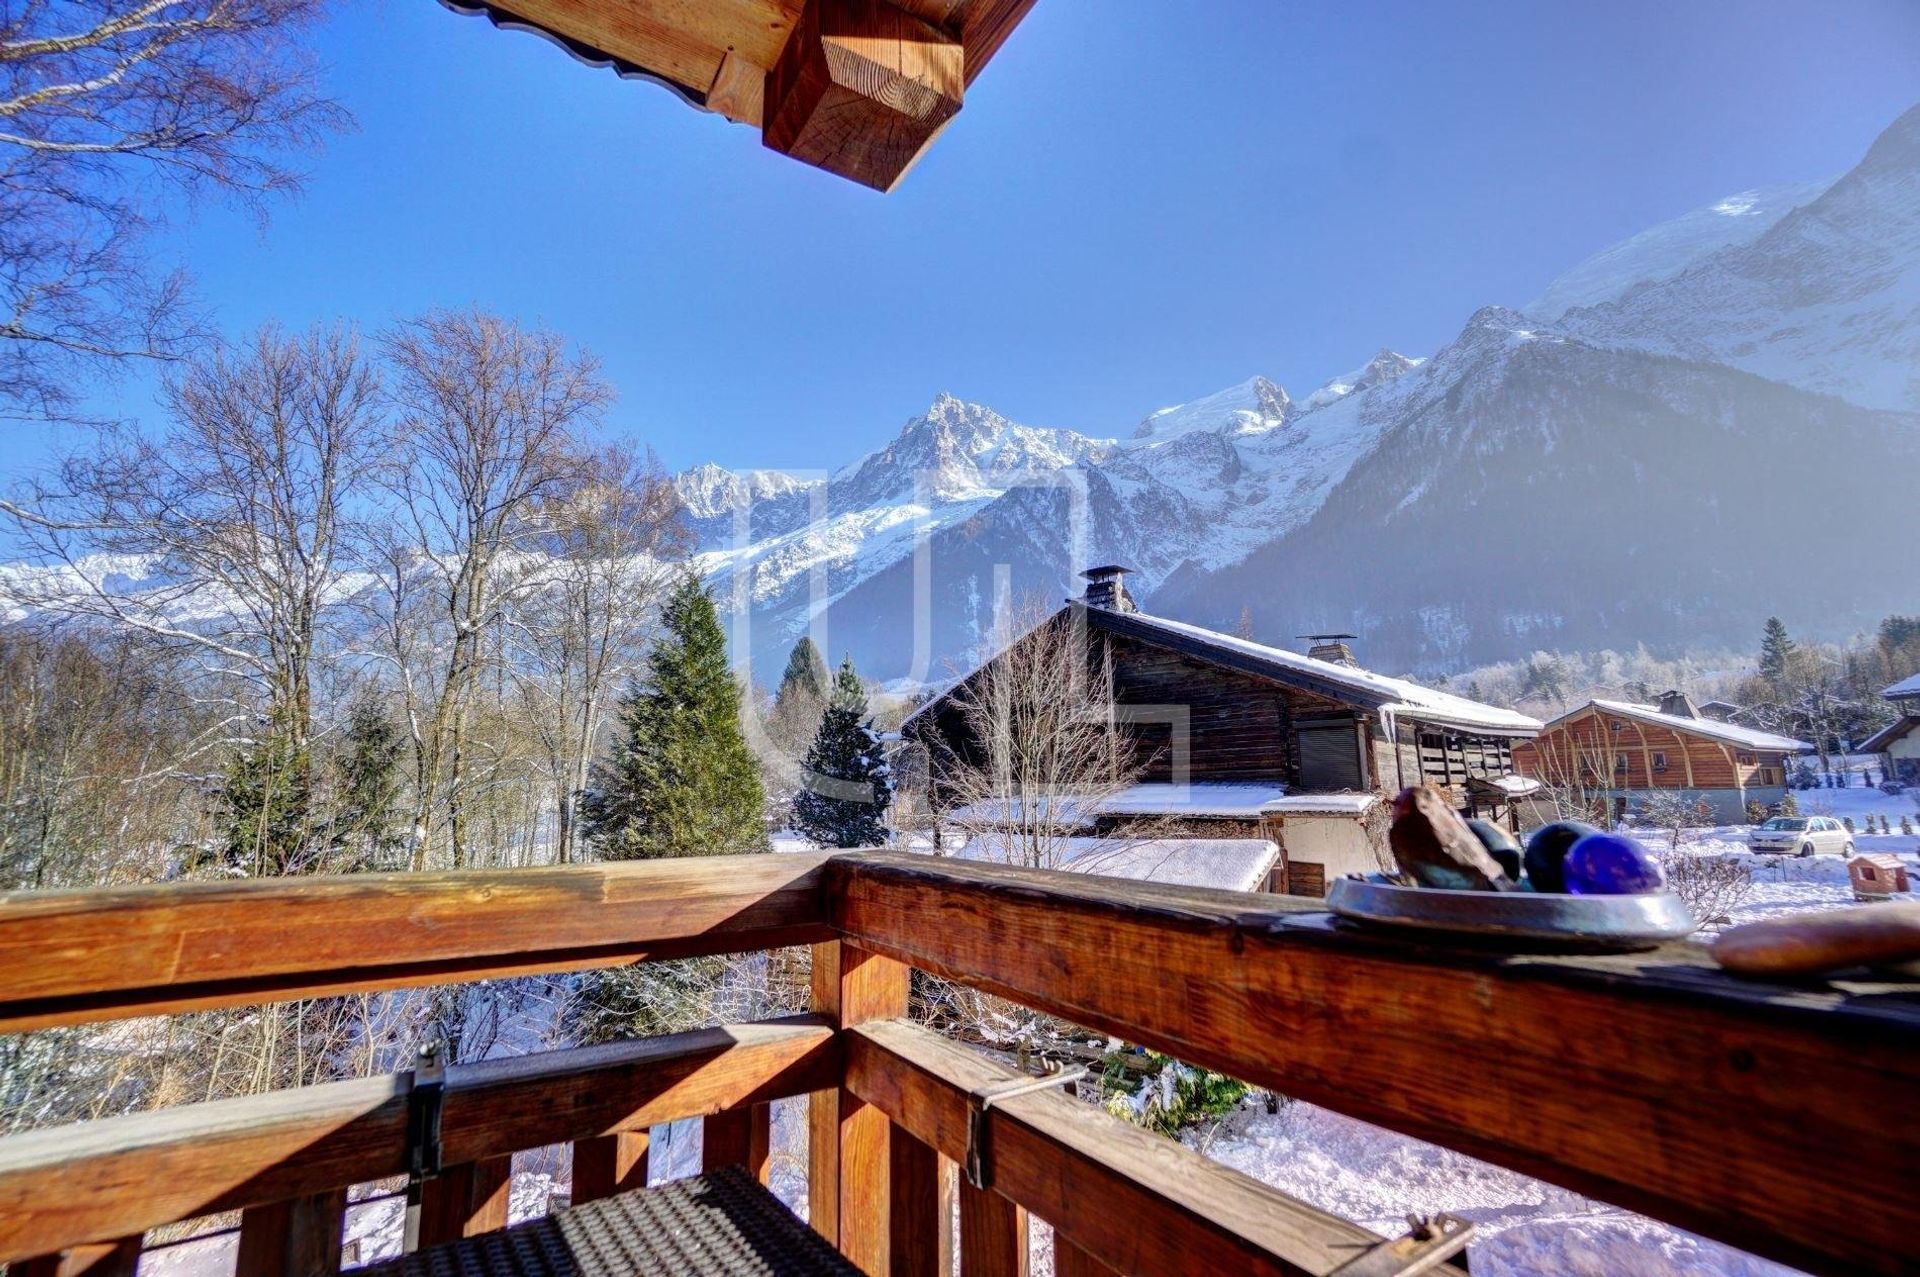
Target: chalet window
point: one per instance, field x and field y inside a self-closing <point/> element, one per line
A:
<point x="1615" y="725"/>
<point x="1619" y="762"/>
<point x="1746" y="760"/>
<point x="1659" y="761"/>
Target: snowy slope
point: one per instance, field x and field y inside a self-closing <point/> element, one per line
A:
<point x="1664" y="251"/>
<point x="1828" y="297"/>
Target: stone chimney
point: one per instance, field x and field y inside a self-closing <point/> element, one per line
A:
<point x="1678" y="704"/>
<point x="1107" y="588"/>
<point x="1331" y="647"/>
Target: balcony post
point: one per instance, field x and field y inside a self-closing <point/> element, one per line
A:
<point x="848" y="1146"/>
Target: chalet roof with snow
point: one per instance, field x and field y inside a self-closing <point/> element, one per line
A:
<point x="1397" y="697"/>
<point x="1224" y="864"/>
<point x="1712" y="728"/>
<point x="1906" y="687"/>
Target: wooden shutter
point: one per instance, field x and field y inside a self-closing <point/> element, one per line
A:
<point x="1329" y="757"/>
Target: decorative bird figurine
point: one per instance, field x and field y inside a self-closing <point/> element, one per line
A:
<point x="1434" y="847"/>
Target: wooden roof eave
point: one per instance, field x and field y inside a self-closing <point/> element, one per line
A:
<point x="860" y="88"/>
<point x="1298" y="680"/>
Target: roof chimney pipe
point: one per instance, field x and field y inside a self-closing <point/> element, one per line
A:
<point x="1107" y="588"/>
<point x="1331" y="647"/>
<point x="1678" y="704"/>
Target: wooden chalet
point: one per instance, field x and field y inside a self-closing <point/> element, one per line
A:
<point x="1620" y="753"/>
<point x="1241" y="739"/>
<point x="1898" y="743"/>
<point x="859" y="88"/>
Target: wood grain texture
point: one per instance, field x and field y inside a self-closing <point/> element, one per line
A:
<point x="993" y="1234"/>
<point x="726" y="1139"/>
<point x="119" y="1176"/>
<point x="75" y="957"/>
<point x="681" y="41"/>
<point x="861" y="89"/>
<point x="296" y="1238"/>
<point x="102" y="1259"/>
<point x="465" y="1200"/>
<point x="1070" y="1261"/>
<point x="739" y="90"/>
<point x="609" y="1164"/>
<point x="1137" y="1202"/>
<point x="848" y="1156"/>
<point x="919" y="1210"/>
<point x="1654" y="1081"/>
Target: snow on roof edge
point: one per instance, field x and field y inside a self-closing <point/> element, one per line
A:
<point x="1732" y="733"/>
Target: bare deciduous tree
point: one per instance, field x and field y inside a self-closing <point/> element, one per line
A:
<point x="1040" y="748"/>
<point x="609" y="539"/>
<point x="487" y="431"/>
<point x="97" y="99"/>
<point x="239" y="510"/>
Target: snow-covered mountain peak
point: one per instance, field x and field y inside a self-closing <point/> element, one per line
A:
<point x="958" y="450"/>
<point x="1254" y="405"/>
<point x="1387" y="365"/>
<point x="709" y="490"/>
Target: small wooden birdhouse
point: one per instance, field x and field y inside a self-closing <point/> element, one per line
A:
<point x="1876" y="876"/>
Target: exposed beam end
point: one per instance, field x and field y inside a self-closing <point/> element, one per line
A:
<point x="861" y="89"/>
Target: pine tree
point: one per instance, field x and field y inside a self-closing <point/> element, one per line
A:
<point x="266" y="804"/>
<point x="848" y="785"/>
<point x="681" y="781"/>
<point x="1776" y="653"/>
<point x="367" y="778"/>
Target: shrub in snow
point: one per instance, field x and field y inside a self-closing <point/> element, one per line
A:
<point x="1906" y="826"/>
<point x="1848" y="822"/>
<point x="1712" y="887"/>
<point x="1756" y="811"/>
<point x="1170" y="1097"/>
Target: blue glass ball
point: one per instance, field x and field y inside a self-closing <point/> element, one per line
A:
<point x="1611" y="865"/>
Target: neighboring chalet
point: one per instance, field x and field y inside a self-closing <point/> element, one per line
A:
<point x="1242" y="740"/>
<point x="1898" y="743"/>
<point x="1627" y="752"/>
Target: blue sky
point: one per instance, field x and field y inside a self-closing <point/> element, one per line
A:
<point x="1140" y="203"/>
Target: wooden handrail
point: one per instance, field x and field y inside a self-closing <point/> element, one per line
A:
<point x="1749" y="1112"/>
<point x="117" y="1177"/>
<point x="74" y="957"/>
<point x="1133" y="1200"/>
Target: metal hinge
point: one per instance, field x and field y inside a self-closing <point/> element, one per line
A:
<point x="1430" y="1242"/>
<point x="425" y="1100"/>
<point x="979" y="1160"/>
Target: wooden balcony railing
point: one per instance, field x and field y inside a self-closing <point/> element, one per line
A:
<point x="1770" y="1117"/>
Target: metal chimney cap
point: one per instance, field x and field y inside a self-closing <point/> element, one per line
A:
<point x="1105" y="571"/>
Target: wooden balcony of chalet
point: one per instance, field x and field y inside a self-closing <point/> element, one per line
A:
<point x="1775" y="1118"/>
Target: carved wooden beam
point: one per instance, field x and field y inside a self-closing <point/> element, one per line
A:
<point x="862" y="88"/>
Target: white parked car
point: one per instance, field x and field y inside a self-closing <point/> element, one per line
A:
<point x="1802" y="836"/>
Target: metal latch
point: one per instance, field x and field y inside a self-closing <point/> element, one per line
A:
<point x="979" y="1160"/>
<point x="425" y="1101"/>
<point x="1430" y="1242"/>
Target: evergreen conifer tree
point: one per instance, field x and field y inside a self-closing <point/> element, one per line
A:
<point x="848" y="785"/>
<point x="266" y="804"/>
<point x="800" y="699"/>
<point x="1776" y="653"/>
<point x="367" y="777"/>
<point x="681" y="781"/>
